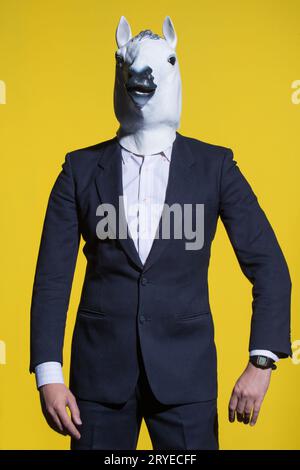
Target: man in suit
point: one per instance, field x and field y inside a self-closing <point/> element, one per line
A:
<point x="143" y="343"/>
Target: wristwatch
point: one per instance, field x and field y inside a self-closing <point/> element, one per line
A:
<point x="263" y="362"/>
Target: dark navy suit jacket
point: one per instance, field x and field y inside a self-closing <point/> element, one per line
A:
<point x="162" y="306"/>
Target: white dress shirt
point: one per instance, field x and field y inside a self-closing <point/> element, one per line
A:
<point x="145" y="180"/>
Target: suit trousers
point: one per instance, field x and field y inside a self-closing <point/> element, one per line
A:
<point x="171" y="427"/>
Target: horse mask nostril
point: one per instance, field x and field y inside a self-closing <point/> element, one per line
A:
<point x="145" y="72"/>
<point x="142" y="79"/>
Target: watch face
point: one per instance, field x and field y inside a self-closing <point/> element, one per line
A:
<point x="262" y="361"/>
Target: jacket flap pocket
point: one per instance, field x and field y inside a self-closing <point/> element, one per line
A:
<point x="191" y="315"/>
<point x="91" y="313"/>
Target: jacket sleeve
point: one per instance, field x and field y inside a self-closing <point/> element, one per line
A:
<point x="54" y="271"/>
<point x="260" y="258"/>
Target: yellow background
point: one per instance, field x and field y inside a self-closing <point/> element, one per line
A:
<point x="238" y="62"/>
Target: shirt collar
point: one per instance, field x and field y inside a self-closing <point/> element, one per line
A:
<point x="165" y="153"/>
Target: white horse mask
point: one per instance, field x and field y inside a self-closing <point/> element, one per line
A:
<point x="147" y="92"/>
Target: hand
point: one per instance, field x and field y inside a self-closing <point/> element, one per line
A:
<point x="54" y="400"/>
<point x="248" y="394"/>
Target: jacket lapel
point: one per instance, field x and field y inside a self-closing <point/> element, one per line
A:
<point x="110" y="189"/>
<point x="179" y="184"/>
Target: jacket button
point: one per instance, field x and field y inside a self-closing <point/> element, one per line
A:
<point x="142" y="318"/>
<point x="144" y="281"/>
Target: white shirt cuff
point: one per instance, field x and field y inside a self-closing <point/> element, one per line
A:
<point x="264" y="352"/>
<point x="48" y="373"/>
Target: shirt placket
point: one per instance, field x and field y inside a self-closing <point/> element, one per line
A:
<point x="144" y="216"/>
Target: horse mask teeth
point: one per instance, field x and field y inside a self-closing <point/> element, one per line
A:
<point x="147" y="91"/>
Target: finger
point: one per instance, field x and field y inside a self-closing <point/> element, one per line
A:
<point x="54" y="422"/>
<point x="240" y="409"/>
<point x="247" y="411"/>
<point x="57" y="421"/>
<point x="75" y="413"/>
<point x="67" y="423"/>
<point x="255" y="413"/>
<point x="232" y="407"/>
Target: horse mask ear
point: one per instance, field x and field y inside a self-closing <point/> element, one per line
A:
<point x="169" y="32"/>
<point x="123" y="33"/>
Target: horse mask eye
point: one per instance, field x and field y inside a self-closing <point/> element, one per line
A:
<point x="119" y="59"/>
<point x="172" y="60"/>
